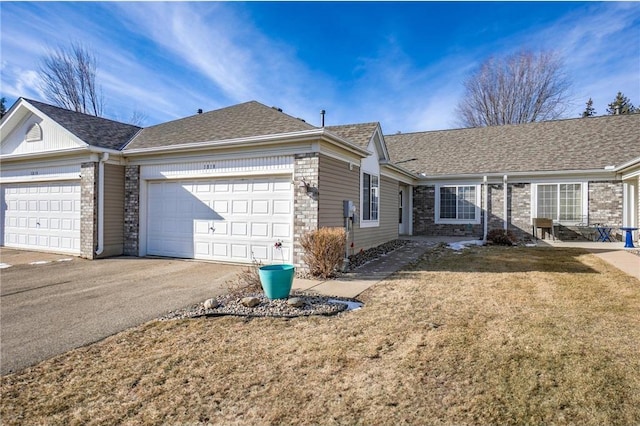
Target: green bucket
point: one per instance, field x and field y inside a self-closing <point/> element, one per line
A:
<point x="277" y="280"/>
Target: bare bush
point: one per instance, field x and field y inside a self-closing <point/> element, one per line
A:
<point x="324" y="251"/>
<point x="502" y="237"/>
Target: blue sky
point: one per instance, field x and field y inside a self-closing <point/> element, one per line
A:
<point x="401" y="64"/>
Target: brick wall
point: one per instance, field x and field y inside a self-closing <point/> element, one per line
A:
<point x="305" y="203"/>
<point x="89" y="209"/>
<point x="132" y="210"/>
<point x="519" y="209"/>
<point x="605" y="204"/>
<point x="424" y="198"/>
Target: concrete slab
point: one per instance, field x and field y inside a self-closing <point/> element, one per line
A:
<point x="623" y="260"/>
<point x="304" y="284"/>
<point x="343" y="288"/>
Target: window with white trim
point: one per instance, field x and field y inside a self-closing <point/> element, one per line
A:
<point x="561" y="202"/>
<point x="457" y="204"/>
<point x="370" y="197"/>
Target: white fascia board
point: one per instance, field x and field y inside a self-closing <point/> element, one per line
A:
<point x="254" y="141"/>
<point x="228" y="143"/>
<point x="630" y="164"/>
<point x="520" y="177"/>
<point x="246" y="152"/>
<point x="401" y="170"/>
<point x="88" y="149"/>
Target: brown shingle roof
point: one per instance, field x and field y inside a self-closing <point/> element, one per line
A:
<point x="238" y="121"/>
<point x="360" y="134"/>
<point x="574" y="144"/>
<point x="95" y="131"/>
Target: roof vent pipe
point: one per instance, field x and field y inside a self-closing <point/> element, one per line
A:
<point x="618" y="109"/>
<point x="199" y="110"/>
<point x="322" y="112"/>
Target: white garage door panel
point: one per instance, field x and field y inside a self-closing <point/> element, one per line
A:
<point x="221" y="219"/>
<point x="42" y="216"/>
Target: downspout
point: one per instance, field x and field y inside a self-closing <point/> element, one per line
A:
<point x="486" y="209"/>
<point x="506" y="204"/>
<point x="103" y="159"/>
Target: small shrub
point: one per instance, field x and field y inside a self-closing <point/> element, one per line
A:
<point x="248" y="280"/>
<point x="502" y="237"/>
<point x="324" y="251"/>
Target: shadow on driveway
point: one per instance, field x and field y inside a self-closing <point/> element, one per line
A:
<point x="50" y="308"/>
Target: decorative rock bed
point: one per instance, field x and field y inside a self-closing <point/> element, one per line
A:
<point x="366" y="256"/>
<point x="258" y="305"/>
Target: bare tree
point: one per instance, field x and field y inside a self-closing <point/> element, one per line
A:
<point x="68" y="79"/>
<point x="138" y="118"/>
<point x="521" y="88"/>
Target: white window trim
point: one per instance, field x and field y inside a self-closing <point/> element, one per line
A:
<point x="369" y="223"/>
<point x="478" y="202"/>
<point x="584" y="186"/>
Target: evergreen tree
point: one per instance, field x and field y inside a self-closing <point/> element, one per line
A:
<point x="589" y="111"/>
<point x="621" y="105"/>
<point x="3" y="108"/>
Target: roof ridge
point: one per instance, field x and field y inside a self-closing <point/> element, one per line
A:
<point x="512" y="125"/>
<point x="91" y="116"/>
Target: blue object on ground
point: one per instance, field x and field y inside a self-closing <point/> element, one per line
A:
<point x="628" y="243"/>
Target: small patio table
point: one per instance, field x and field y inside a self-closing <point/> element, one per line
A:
<point x="604" y="233"/>
<point x="628" y="243"/>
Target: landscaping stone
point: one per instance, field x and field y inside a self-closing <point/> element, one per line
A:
<point x="296" y="302"/>
<point x="250" y="302"/>
<point x="210" y="303"/>
<point x="232" y="304"/>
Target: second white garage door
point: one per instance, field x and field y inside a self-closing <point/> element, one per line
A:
<point x="233" y="220"/>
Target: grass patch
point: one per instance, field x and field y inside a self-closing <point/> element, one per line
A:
<point x="492" y="335"/>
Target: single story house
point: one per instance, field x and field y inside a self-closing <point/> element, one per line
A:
<point x="578" y="172"/>
<point x="226" y="185"/>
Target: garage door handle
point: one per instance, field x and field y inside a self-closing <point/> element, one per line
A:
<point x="212" y="229"/>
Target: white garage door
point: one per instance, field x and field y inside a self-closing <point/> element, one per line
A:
<point x="233" y="220"/>
<point x="42" y="216"/>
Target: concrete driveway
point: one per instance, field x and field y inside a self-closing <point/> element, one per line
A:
<point x="50" y="303"/>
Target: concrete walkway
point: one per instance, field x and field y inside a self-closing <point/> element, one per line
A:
<point x="613" y="253"/>
<point x="352" y="284"/>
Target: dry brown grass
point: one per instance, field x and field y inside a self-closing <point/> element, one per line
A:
<point x="490" y="336"/>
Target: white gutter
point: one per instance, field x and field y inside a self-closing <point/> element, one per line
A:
<point x="498" y="175"/>
<point x="103" y="159"/>
<point x="486" y="210"/>
<point x="506" y="192"/>
<point x="628" y="164"/>
<point x="58" y="153"/>
<point x="252" y="141"/>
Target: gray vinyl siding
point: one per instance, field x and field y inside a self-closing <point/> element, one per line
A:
<point x="113" y="210"/>
<point x="388" y="230"/>
<point x="336" y="183"/>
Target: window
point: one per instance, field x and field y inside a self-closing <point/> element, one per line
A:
<point x="457" y="204"/>
<point x="560" y="202"/>
<point x="34" y="133"/>
<point x="370" y="197"/>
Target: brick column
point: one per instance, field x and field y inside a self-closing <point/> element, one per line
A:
<point x="89" y="209"/>
<point x="131" y="210"/>
<point x="305" y="204"/>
